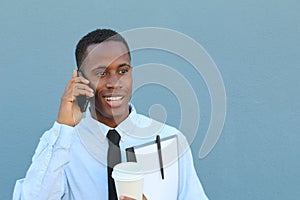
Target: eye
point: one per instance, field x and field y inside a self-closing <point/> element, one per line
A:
<point x="101" y="73"/>
<point x="123" y="71"/>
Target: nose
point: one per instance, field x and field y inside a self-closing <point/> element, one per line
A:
<point x="113" y="81"/>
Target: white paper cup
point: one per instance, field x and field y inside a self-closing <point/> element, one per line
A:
<point x="129" y="180"/>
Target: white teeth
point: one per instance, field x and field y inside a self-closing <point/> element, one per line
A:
<point x="113" y="98"/>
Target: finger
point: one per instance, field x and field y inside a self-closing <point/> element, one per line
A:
<point x="75" y="73"/>
<point x="78" y="92"/>
<point x="81" y="79"/>
<point x="125" y="198"/>
<point x="83" y="87"/>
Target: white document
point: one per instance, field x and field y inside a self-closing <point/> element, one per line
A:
<point x="156" y="188"/>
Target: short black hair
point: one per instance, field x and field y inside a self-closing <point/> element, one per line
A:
<point x="95" y="37"/>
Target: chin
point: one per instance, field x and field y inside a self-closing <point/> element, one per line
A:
<point x="113" y="113"/>
<point x="117" y="112"/>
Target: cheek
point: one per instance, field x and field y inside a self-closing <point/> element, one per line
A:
<point x="97" y="86"/>
<point x="129" y="90"/>
<point x="128" y="83"/>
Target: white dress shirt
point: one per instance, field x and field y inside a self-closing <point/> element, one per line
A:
<point x="70" y="162"/>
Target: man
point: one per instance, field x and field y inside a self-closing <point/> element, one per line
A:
<point x="71" y="160"/>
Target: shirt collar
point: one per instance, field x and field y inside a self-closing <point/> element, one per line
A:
<point x="101" y="129"/>
<point x="135" y="125"/>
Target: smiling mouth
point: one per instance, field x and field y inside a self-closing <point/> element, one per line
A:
<point x="114" y="101"/>
<point x="116" y="98"/>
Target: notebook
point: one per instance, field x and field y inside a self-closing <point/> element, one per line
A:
<point x="156" y="187"/>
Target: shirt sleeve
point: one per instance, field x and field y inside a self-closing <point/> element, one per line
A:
<point x="189" y="184"/>
<point x="44" y="179"/>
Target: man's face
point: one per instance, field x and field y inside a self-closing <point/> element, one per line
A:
<point x="107" y="67"/>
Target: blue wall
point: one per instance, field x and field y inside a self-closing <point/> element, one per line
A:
<point x="255" y="45"/>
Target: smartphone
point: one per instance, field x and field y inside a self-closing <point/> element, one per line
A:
<point x="82" y="100"/>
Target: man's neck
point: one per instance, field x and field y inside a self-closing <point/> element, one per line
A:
<point x="112" y="122"/>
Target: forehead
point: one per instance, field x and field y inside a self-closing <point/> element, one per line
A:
<point x="106" y="53"/>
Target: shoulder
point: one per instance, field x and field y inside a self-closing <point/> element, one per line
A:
<point x="155" y="127"/>
<point x="161" y="128"/>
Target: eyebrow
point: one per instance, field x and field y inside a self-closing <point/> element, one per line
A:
<point x="104" y="67"/>
<point x="124" y="64"/>
<point x="98" y="67"/>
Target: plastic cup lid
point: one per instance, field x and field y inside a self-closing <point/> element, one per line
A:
<point x="127" y="171"/>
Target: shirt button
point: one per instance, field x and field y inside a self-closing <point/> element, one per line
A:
<point x="123" y="137"/>
<point x="45" y="164"/>
<point x="55" y="133"/>
<point x="101" y="137"/>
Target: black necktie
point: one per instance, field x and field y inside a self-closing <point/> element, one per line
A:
<point x="113" y="158"/>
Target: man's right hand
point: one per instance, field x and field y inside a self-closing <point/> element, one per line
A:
<point x="69" y="111"/>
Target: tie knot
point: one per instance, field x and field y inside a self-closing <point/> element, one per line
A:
<point x="113" y="136"/>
